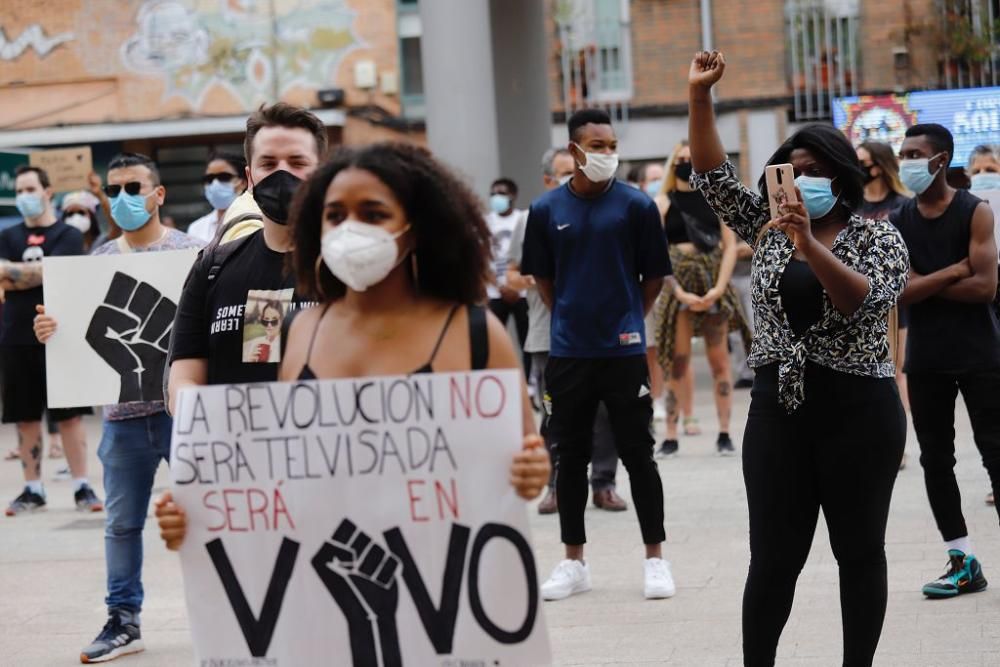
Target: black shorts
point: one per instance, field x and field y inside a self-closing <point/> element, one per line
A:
<point x="22" y="386"/>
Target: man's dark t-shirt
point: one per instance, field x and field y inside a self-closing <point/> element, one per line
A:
<point x="946" y="336"/>
<point x="596" y="251"/>
<point x="234" y="320"/>
<point x="881" y="210"/>
<point x="21" y="243"/>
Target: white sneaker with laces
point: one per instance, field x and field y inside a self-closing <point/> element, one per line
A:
<point x="659" y="582"/>
<point x="659" y="411"/>
<point x="568" y="578"/>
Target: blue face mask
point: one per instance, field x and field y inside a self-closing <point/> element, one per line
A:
<point x="499" y="203"/>
<point x="985" y="180"/>
<point x="817" y="195"/>
<point x="916" y="174"/>
<point x="29" y="205"/>
<point x="653" y="187"/>
<point x="220" y="195"/>
<point x="129" y="211"/>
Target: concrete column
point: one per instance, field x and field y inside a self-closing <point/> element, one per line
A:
<point x="486" y="89"/>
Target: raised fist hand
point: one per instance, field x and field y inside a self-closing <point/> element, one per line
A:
<point x="361" y="577"/>
<point x="706" y="69"/>
<point x="131" y="332"/>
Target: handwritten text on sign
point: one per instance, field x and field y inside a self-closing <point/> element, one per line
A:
<point x="366" y="521"/>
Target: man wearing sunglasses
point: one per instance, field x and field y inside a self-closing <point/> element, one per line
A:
<point x="224" y="181"/>
<point x="136" y="435"/>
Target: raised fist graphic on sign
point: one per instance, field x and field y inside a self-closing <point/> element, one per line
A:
<point x="131" y="332"/>
<point x="361" y="577"/>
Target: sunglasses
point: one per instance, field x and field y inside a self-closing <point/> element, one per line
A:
<point x="223" y="177"/>
<point x="132" y="188"/>
<point x="270" y="323"/>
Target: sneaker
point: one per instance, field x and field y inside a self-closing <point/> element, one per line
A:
<point x="659" y="582"/>
<point x="87" y="500"/>
<point x="667" y="449"/>
<point x="964" y="575"/>
<point x="568" y="578"/>
<point x="62" y="475"/>
<point x="659" y="411"/>
<point x="119" y="637"/>
<point x="743" y="383"/>
<point x="28" y="501"/>
<point x="725" y="445"/>
<point x="549" y="504"/>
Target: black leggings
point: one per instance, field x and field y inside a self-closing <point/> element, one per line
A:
<point x="839" y="451"/>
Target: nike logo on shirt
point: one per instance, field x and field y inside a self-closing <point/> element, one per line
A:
<point x="561" y="227"/>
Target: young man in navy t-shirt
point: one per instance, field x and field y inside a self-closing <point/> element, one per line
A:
<point x="597" y="250"/>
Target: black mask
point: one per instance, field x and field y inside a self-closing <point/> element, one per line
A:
<point x="683" y="171"/>
<point x="869" y="176"/>
<point x="274" y="194"/>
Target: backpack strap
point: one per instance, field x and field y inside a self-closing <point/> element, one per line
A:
<point x="218" y="254"/>
<point x="479" y="340"/>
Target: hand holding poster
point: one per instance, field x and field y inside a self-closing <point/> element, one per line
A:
<point x="115" y="315"/>
<point x="367" y="521"/>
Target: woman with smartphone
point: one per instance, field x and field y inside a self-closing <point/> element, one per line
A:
<point x="826" y="427"/>
<point x="700" y="301"/>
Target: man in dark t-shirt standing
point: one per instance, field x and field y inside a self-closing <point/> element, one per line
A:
<point x="599" y="256"/>
<point x="229" y="307"/>
<point x="954" y="337"/>
<point x="22" y="357"/>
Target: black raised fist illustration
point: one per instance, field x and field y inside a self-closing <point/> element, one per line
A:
<point x="361" y="577"/>
<point x="131" y="332"/>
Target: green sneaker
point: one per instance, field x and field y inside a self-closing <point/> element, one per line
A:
<point x="964" y="575"/>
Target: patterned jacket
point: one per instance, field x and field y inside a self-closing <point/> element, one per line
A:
<point x="857" y="343"/>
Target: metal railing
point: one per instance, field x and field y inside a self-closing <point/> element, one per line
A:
<point x="822" y="54"/>
<point x="968" y="39"/>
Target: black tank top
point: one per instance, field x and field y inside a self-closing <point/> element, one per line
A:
<point x="478" y="338"/>
<point x="946" y="336"/>
<point x="693" y="203"/>
<point x="801" y="296"/>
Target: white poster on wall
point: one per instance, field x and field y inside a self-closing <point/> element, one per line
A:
<point x="115" y="314"/>
<point x="357" y="522"/>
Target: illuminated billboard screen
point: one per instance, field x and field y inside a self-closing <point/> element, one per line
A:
<point x="972" y="115"/>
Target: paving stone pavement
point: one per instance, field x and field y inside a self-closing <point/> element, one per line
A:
<point x="52" y="575"/>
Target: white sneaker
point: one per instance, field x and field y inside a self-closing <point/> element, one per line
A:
<point x="659" y="411"/>
<point x="659" y="582"/>
<point x="568" y="578"/>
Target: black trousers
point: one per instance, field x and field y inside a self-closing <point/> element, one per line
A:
<point x="519" y="310"/>
<point x="932" y="404"/>
<point x="604" y="460"/>
<point x="576" y="386"/>
<point x="838" y="452"/>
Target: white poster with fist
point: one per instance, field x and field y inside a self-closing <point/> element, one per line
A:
<point x="114" y="315"/>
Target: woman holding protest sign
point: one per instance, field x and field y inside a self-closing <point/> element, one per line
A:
<point x="395" y="249"/>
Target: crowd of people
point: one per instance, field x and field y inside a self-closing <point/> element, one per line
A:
<point x="872" y="293"/>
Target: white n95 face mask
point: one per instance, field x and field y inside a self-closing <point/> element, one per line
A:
<point x="600" y="167"/>
<point x="360" y="255"/>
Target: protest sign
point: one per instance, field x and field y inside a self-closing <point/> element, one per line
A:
<point x="357" y="522"/>
<point x="115" y="315"/>
<point x="68" y="168"/>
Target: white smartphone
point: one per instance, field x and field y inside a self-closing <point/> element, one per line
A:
<point x="780" y="180"/>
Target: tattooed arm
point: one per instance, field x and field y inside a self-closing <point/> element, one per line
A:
<point x="20" y="275"/>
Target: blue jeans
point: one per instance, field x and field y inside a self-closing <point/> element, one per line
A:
<point x="130" y="450"/>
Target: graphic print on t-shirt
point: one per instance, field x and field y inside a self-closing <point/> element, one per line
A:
<point x="263" y="314"/>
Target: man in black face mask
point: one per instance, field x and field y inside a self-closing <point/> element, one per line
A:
<point x="230" y="293"/>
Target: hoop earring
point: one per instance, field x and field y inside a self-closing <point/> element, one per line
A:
<point x="319" y="282"/>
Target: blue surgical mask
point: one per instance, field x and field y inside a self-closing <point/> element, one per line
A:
<point x="220" y="195"/>
<point x="817" y="195"/>
<point x="499" y="203"/>
<point x="653" y="187"/>
<point x="129" y="211"/>
<point x="565" y="179"/>
<point x="29" y="205"/>
<point x="916" y="175"/>
<point x="985" y="180"/>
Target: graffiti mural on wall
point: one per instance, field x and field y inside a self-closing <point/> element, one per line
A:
<point x="252" y="48"/>
<point x="32" y="37"/>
